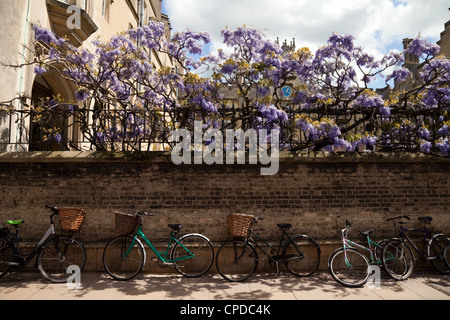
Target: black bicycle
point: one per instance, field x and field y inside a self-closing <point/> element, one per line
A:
<point x="238" y="259"/>
<point x="401" y="265"/>
<point x="55" y="252"/>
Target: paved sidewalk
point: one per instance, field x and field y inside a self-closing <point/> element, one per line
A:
<point x="99" y="286"/>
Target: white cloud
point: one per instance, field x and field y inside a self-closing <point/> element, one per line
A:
<point x="378" y="25"/>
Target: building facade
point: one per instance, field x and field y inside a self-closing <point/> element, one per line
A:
<point x="95" y="19"/>
<point x="413" y="64"/>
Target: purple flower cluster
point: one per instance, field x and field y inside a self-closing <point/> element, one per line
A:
<point x="331" y="85"/>
<point x="271" y="114"/>
<point x="422" y="48"/>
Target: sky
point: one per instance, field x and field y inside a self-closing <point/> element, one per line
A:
<point x="377" y="25"/>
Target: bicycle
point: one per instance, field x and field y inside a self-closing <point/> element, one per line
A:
<point x="124" y="256"/>
<point x="433" y="249"/>
<point x="350" y="267"/>
<point x="238" y="259"/>
<point x="54" y="253"/>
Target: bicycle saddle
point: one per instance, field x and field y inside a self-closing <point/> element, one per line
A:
<point x="367" y="233"/>
<point x="15" y="222"/>
<point x="175" y="227"/>
<point x="284" y="225"/>
<point x="426" y="219"/>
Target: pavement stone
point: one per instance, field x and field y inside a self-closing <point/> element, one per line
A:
<point x="260" y="287"/>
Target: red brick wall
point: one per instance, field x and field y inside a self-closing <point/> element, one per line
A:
<point x="316" y="195"/>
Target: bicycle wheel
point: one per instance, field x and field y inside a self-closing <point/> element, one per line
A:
<point x="436" y="253"/>
<point x="446" y="256"/>
<point x="59" y="253"/>
<point x="301" y="256"/>
<point x="122" y="261"/>
<point x="236" y="260"/>
<point x="6" y="250"/>
<point x="349" y="267"/>
<point x="398" y="259"/>
<point x="378" y="252"/>
<point x="192" y="255"/>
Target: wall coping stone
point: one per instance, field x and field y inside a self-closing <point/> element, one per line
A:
<point x="164" y="157"/>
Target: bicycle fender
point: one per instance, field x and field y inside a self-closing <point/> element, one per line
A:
<point x="194" y="234"/>
<point x="144" y="251"/>
<point x="438" y="235"/>
<point x="332" y="254"/>
<point x="314" y="241"/>
<point x="394" y="239"/>
<point x="432" y="239"/>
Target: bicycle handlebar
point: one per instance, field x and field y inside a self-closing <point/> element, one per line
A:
<point x="398" y="218"/>
<point x="144" y="213"/>
<point x="54" y="209"/>
<point x="255" y="219"/>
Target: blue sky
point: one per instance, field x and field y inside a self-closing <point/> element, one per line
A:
<point x="377" y="25"/>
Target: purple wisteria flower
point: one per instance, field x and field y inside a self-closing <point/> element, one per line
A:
<point x="330" y="106"/>
<point x="420" y="47"/>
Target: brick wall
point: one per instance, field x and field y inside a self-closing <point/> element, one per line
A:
<point x="316" y="195"/>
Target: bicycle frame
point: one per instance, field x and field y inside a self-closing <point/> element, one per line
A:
<point x="404" y="236"/>
<point x="162" y="256"/>
<point x="278" y="252"/>
<point x="28" y="257"/>
<point x="351" y="244"/>
<point x="427" y="238"/>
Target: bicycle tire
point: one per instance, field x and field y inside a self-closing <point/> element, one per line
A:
<point x="353" y="274"/>
<point x="398" y="259"/>
<point x="301" y="256"/>
<point x="59" y="253"/>
<point x="236" y="260"/>
<point x="446" y="255"/>
<point x="200" y="247"/>
<point x="435" y="252"/>
<point x="378" y="252"/>
<point x="6" y="248"/>
<point x="123" y="268"/>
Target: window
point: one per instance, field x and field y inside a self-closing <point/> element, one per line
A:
<point x="105" y="9"/>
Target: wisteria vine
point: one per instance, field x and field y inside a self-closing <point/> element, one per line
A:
<point x="331" y="106"/>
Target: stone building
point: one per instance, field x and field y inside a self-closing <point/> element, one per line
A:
<point x="96" y="18"/>
<point x="444" y="43"/>
<point x="413" y="63"/>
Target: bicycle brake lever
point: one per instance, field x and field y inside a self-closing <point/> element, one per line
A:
<point x="255" y="220"/>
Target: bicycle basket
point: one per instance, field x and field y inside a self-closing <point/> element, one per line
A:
<point x="71" y="218"/>
<point x="127" y="223"/>
<point x="239" y="225"/>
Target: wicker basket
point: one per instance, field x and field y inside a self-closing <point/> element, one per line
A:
<point x="239" y="225"/>
<point x="71" y="218"/>
<point x="127" y="223"/>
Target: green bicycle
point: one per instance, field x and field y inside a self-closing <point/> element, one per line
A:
<point x="124" y="256"/>
<point x="350" y="267"/>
